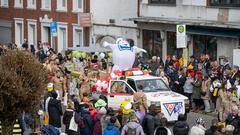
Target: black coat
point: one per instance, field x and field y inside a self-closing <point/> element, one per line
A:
<point x="149" y="123"/>
<point x="181" y="128"/>
<point x="211" y="130"/>
<point x="55" y="112"/>
<point x="68" y="114"/>
<point x="234" y="121"/>
<point x="179" y="87"/>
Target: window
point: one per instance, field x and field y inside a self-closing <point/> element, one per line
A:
<point x="152" y="85"/>
<point x="46" y="4"/>
<point x="19" y="31"/>
<point x="225" y="3"/>
<point x="77" y="37"/>
<point x="152" y="43"/>
<point x="171" y="45"/>
<point x="62" y="36"/>
<point x="32" y="32"/>
<point x="205" y="45"/>
<point x="120" y="87"/>
<point x="31" y="4"/>
<point x="77" y="5"/>
<point x="62" y="5"/>
<point x="18" y="3"/>
<point x="171" y="2"/>
<point x="4" y="3"/>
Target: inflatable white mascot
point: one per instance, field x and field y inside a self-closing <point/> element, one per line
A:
<point x="123" y="54"/>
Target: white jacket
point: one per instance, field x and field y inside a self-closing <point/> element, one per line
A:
<point x="197" y="130"/>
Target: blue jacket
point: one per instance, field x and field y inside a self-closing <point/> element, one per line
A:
<point x="88" y="122"/>
<point x="113" y="128"/>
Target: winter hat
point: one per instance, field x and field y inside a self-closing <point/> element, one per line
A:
<point x="100" y="103"/>
<point x="127" y="108"/>
<point x="230" y="128"/>
<point x="50" y="87"/>
<point x="102" y="110"/>
<point x="200" y="121"/>
<point x="113" y="120"/>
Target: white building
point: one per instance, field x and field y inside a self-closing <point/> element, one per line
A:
<point x="213" y="26"/>
<point x="110" y="20"/>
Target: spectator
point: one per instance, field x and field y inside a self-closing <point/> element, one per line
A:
<point x="194" y="63"/>
<point x="226" y="66"/>
<point x="163" y="77"/>
<point x="235" y="73"/>
<point x="234" y="120"/>
<point x="97" y="129"/>
<point x="162" y="129"/>
<point x="68" y="114"/>
<point x="132" y="127"/>
<point x="25" y="45"/>
<point x="111" y="128"/>
<point x="220" y="130"/>
<point x="149" y="122"/>
<point x="213" y="128"/>
<point x="179" y="82"/>
<point x="205" y="93"/>
<point x="33" y="50"/>
<point x="199" y="128"/>
<point x="87" y="127"/>
<point x="181" y="127"/>
<point x="55" y="111"/>
<point x="168" y="62"/>
<point x="214" y="89"/>
<point x="107" y="119"/>
<point x="188" y="87"/>
<point x="229" y="130"/>
<point x="197" y="92"/>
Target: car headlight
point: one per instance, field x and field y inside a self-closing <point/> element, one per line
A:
<point x="155" y="103"/>
<point x="186" y="102"/>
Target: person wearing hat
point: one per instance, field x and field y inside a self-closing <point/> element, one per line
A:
<point x="106" y="119"/>
<point x="55" y="111"/>
<point x="233" y="119"/>
<point x="97" y="129"/>
<point x="132" y="127"/>
<point x="188" y="88"/>
<point x="140" y="99"/>
<point x="111" y="128"/>
<point x="127" y="113"/>
<point x="100" y="103"/>
<point x="151" y="120"/>
<point x="196" y="95"/>
<point x="181" y="127"/>
<point x="199" y="128"/>
<point x="88" y="123"/>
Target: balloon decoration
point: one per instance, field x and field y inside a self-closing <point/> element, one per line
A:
<point x="123" y="54"/>
<point x="84" y="54"/>
<point x="102" y="55"/>
<point x="110" y="55"/>
<point x="100" y="86"/>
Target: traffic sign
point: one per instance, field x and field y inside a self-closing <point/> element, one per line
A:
<point x="181" y="36"/>
<point x="53" y="28"/>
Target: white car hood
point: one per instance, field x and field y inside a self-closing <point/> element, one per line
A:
<point x="164" y="96"/>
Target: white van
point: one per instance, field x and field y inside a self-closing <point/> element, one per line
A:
<point x="171" y="103"/>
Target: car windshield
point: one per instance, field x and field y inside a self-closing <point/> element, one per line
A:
<point x="152" y="85"/>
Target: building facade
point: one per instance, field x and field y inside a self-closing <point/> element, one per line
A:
<point x="212" y="26"/>
<point x="30" y="19"/>
<point x="110" y="20"/>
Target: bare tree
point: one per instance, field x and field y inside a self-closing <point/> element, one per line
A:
<point x="22" y="83"/>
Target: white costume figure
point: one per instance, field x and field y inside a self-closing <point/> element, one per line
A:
<point x="123" y="54"/>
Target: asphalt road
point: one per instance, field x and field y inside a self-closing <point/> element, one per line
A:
<point x="192" y="117"/>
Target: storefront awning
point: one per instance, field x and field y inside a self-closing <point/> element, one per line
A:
<point x="189" y="22"/>
<point x="213" y="31"/>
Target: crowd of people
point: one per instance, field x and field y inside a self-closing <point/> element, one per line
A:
<point x="210" y="87"/>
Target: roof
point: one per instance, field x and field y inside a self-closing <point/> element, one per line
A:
<point x="187" y="22"/>
<point x="91" y="49"/>
<point x="142" y="77"/>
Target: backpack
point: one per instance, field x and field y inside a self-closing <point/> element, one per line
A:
<point x="82" y="122"/>
<point x="109" y="131"/>
<point x="131" y="131"/>
<point x="160" y="131"/>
